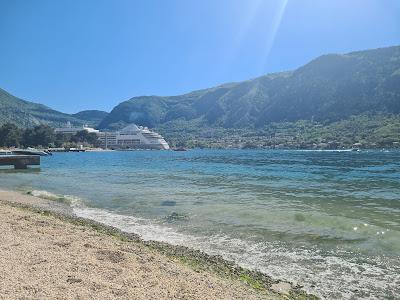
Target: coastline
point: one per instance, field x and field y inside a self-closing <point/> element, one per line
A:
<point x="197" y="274"/>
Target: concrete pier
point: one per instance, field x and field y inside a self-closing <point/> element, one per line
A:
<point x="19" y="161"/>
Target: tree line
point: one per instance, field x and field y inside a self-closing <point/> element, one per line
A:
<point x="43" y="136"/>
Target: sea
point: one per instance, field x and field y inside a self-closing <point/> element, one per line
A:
<point x="326" y="220"/>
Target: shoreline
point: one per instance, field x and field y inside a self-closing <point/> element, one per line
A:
<point x="258" y="283"/>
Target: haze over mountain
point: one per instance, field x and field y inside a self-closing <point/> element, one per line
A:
<point x="332" y="87"/>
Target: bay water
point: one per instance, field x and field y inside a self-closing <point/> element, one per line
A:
<point x="327" y="220"/>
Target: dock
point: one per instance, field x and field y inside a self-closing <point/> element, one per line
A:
<point x="19" y="161"/>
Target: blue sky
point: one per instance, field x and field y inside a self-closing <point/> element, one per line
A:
<point x="92" y="54"/>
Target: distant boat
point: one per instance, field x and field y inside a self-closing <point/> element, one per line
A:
<point x="76" y="150"/>
<point x="31" y="151"/>
<point x="180" y="149"/>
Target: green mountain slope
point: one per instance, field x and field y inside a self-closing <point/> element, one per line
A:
<point x="334" y="101"/>
<point x="93" y="117"/>
<point x="330" y="88"/>
<point x="26" y="114"/>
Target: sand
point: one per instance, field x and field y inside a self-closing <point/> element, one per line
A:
<point x="45" y="257"/>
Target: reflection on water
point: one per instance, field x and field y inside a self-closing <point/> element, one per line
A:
<point x="328" y="220"/>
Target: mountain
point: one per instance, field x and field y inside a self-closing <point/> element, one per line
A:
<point x="330" y="88"/>
<point x="93" y="117"/>
<point x="334" y="101"/>
<point x="26" y="114"/>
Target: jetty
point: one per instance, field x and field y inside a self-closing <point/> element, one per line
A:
<point x="19" y="161"/>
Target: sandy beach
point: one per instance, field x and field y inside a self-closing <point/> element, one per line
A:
<point x="43" y="256"/>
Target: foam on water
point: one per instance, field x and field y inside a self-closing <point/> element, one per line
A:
<point x="335" y="274"/>
<point x="73" y="201"/>
<point x="295" y="215"/>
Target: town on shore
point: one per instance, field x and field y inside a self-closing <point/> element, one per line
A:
<point x="368" y="134"/>
<point x="81" y="138"/>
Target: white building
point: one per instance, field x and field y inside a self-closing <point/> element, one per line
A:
<point x="73" y="130"/>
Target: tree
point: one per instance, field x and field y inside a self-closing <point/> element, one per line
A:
<point x="85" y="137"/>
<point x="60" y="139"/>
<point x="41" y="135"/>
<point x="10" y="135"/>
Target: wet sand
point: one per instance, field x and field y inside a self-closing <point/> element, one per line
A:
<point x="43" y="256"/>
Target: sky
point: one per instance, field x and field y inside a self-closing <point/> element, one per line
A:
<point x="74" y="55"/>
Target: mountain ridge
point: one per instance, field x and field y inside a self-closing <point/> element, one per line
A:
<point x="330" y="88"/>
<point x="27" y="114"/>
<point x="92" y="115"/>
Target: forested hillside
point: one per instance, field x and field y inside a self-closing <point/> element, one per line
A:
<point x="94" y="117"/>
<point x="28" y="114"/>
<point x="334" y="101"/>
<point x="328" y="89"/>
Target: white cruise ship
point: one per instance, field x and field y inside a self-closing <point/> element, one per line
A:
<point x="132" y="137"/>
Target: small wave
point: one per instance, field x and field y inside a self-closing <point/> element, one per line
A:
<point x="143" y="227"/>
<point x="333" y="274"/>
<point x="67" y="199"/>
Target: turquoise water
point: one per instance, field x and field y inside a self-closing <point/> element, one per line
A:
<point x="327" y="220"/>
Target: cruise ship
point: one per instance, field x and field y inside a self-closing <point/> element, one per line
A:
<point x="132" y="137"/>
